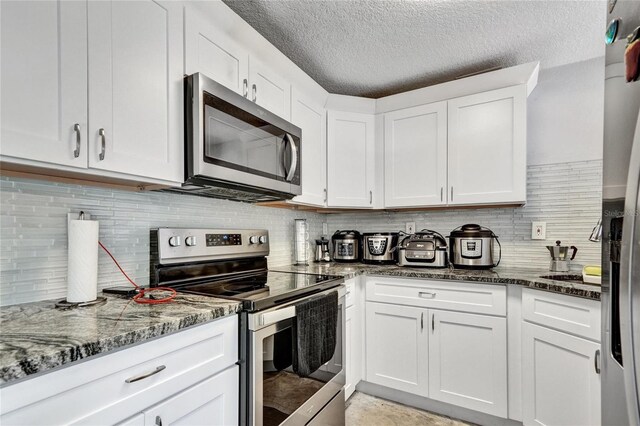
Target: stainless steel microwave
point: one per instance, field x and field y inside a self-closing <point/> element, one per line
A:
<point x="236" y="149"/>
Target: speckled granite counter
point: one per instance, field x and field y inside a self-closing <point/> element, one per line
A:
<point x="527" y="277"/>
<point x="36" y="337"/>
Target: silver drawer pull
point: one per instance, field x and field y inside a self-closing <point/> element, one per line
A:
<point x="158" y="421"/>
<point x="103" y="144"/>
<point x="144" y="376"/>
<point x="427" y="295"/>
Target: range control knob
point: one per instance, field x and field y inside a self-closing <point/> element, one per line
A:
<point x="190" y="241"/>
<point x="174" y="241"/>
<point x="263" y="239"/>
<point x="253" y="239"/>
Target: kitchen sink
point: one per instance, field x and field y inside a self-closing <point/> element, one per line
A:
<point x="572" y="278"/>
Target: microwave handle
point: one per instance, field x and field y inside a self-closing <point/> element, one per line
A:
<point x="294" y="158"/>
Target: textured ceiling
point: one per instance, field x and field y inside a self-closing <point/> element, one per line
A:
<point x="376" y="48"/>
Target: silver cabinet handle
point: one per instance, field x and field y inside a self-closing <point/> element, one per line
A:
<point x="433" y="322"/>
<point x="145" y="375"/>
<point x="596" y="361"/>
<point x="370" y="197"/>
<point x="103" y="143"/>
<point x="452" y="193"/>
<point x="254" y="91"/>
<point x="294" y="158"/>
<point x="441" y="193"/>
<point x="245" y="88"/>
<point x="158" y="421"/>
<point x="427" y="295"/>
<point x="421" y="321"/>
<point x="76" y="152"/>
<point x="325" y="195"/>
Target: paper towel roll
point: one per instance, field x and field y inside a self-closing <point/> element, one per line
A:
<point x="82" y="275"/>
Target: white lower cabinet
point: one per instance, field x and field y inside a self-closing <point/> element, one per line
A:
<point x="189" y="377"/>
<point x="468" y="361"/>
<point x="397" y="352"/>
<point x="353" y="337"/>
<point x="560" y="371"/>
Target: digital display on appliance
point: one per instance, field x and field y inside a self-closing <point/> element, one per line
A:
<point x="214" y="240"/>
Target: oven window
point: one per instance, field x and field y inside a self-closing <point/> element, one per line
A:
<point x="283" y="391"/>
<point x="238" y="140"/>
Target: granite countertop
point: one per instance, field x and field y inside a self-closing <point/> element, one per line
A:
<point x="36" y="337"/>
<point x="527" y="277"/>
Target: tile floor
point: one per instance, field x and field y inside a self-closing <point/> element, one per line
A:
<point x="367" y="410"/>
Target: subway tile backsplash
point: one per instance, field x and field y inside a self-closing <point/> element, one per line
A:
<point x="33" y="230"/>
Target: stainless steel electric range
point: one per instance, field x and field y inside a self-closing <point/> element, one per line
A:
<point x="232" y="264"/>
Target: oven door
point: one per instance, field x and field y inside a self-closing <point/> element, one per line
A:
<point x="232" y="139"/>
<point x="282" y="397"/>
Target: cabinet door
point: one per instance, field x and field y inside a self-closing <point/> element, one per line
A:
<point x="487" y="147"/>
<point x="269" y="90"/>
<point x="416" y="137"/>
<point x="44" y="81"/>
<point x="136" y="88"/>
<point x="214" y="401"/>
<point x="468" y="361"/>
<point x="396" y="347"/>
<point x="560" y="385"/>
<point x="213" y="53"/>
<point x="350" y="159"/>
<point x="311" y="118"/>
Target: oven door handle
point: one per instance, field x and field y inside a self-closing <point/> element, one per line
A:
<point x="263" y="319"/>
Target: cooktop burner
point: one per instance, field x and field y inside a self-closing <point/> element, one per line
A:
<point x="264" y="289"/>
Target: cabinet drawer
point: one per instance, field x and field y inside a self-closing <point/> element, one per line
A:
<point x="450" y="295"/>
<point x="96" y="391"/>
<point x="566" y="313"/>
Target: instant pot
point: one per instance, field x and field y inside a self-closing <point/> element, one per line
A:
<point x="345" y="246"/>
<point x="471" y="247"/>
<point x="379" y="247"/>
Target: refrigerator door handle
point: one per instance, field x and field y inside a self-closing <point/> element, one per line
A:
<point x="629" y="283"/>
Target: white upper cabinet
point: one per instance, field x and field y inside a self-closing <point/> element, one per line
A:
<point x="416" y="137"/>
<point x="311" y="118"/>
<point x="350" y="159"/>
<point x="136" y="88"/>
<point x="44" y="81"/>
<point x="487" y="147"/>
<point x="269" y="89"/>
<point x="216" y="55"/>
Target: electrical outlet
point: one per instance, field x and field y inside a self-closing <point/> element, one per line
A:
<point x="410" y="227"/>
<point x="325" y="228"/>
<point x="538" y="230"/>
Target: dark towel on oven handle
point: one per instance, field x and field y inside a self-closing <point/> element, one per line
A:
<point x="314" y="333"/>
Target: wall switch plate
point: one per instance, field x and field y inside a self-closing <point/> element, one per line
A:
<point x="325" y="228"/>
<point x="538" y="230"/>
<point x="410" y="227"/>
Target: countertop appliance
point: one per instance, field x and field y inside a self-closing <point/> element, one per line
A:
<point x="426" y="248"/>
<point x="379" y="247"/>
<point x="620" y="361"/>
<point x="560" y="259"/>
<point x="232" y="264"/>
<point x="471" y="247"/>
<point x="236" y="149"/>
<point x="322" y="250"/>
<point x="346" y="246"/>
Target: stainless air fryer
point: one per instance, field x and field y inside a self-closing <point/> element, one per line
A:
<point x="426" y="248"/>
<point x="345" y="246"/>
<point x="471" y="247"/>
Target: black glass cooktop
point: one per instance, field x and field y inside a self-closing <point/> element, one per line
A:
<point x="264" y="289"/>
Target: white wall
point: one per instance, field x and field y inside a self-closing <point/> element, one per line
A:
<point x="565" y="114"/>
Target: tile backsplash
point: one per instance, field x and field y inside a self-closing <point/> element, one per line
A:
<point x="33" y="234"/>
<point x="33" y="227"/>
<point x="566" y="196"/>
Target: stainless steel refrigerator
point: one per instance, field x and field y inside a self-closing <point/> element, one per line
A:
<point x="621" y="223"/>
